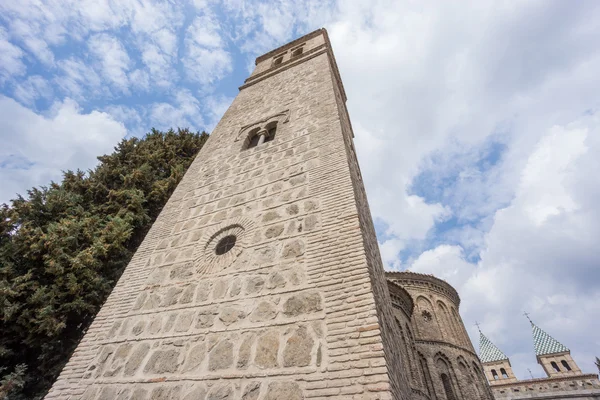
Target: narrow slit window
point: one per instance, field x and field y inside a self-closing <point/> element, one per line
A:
<point x="566" y="365"/>
<point x="448" y="387"/>
<point x="555" y="366"/>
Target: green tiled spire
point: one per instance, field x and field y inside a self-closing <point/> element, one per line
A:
<point x="488" y="351"/>
<point x="544" y="343"/>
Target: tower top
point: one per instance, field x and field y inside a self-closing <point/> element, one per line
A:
<point x="488" y="352"/>
<point x="545" y="344"/>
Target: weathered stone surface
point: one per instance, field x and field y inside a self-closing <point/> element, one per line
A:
<point x="155" y="325"/>
<point x="138" y="328"/>
<point x="221" y="356"/>
<point x="310" y="222"/>
<point x="245" y="351"/>
<point x="171" y="296"/>
<point x="163" y="361"/>
<point x="270" y="216"/>
<point x="303" y="303"/>
<point x="284" y="390"/>
<point x="139" y="394"/>
<point x="276" y="281"/>
<point x="251" y="391"/>
<point x="135" y="359"/>
<point x="293" y="249"/>
<point x="161" y="393"/>
<point x="219" y="289"/>
<point x="236" y="287"/>
<point x="230" y="315"/>
<point x="181" y="272"/>
<point x="108" y="393"/>
<point x="203" y="291"/>
<point x="267" y="348"/>
<point x="254" y="284"/>
<point x="274" y="231"/>
<point x="298" y="349"/>
<point x="263" y="312"/>
<point x="221" y="392"/>
<point x="206" y="319"/>
<point x="195" y="357"/>
<point x="187" y="295"/>
<point x="197" y="393"/>
<point x="184" y="321"/>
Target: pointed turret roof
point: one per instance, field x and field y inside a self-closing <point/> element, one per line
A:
<point x="488" y="351"/>
<point x="545" y="344"/>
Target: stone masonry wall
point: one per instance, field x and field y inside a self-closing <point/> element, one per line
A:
<point x="296" y="310"/>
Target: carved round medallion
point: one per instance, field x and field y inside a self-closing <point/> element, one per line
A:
<point x="222" y="245"/>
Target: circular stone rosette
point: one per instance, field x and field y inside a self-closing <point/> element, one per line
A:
<point x="207" y="260"/>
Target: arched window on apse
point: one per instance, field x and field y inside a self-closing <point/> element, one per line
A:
<point x="555" y="366"/>
<point x="566" y="365"/>
<point x="460" y="327"/>
<point x="448" y="387"/>
<point x="495" y="375"/>
<point x="426" y="374"/>
<point x="503" y="372"/>
<point x="479" y="378"/>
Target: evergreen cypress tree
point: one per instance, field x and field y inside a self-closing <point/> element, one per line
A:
<point x="64" y="246"/>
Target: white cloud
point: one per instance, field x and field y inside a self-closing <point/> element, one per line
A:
<point x="206" y="59"/>
<point x="33" y="88"/>
<point x="183" y="112"/>
<point x="37" y="148"/>
<point x="113" y="58"/>
<point x="78" y="80"/>
<point x="12" y="55"/>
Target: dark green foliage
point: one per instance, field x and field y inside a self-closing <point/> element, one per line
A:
<point x="63" y="248"/>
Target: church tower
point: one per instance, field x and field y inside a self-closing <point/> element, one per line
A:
<point x="495" y="363"/>
<point x="261" y="279"/>
<point x="553" y="356"/>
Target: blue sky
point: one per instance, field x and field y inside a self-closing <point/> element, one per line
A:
<point x="476" y="127"/>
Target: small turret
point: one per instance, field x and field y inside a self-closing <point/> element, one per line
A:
<point x="552" y="355"/>
<point x="495" y="363"/>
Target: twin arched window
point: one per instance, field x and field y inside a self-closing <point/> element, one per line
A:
<point x="258" y="136"/>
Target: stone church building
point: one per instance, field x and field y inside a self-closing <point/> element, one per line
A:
<point x="261" y="279"/>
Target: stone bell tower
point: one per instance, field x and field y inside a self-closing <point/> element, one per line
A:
<point x="261" y="279"/>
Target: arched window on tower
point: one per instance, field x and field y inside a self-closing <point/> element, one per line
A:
<point x="503" y="372"/>
<point x="448" y="387"/>
<point x="495" y="375"/>
<point x="253" y="138"/>
<point x="566" y="365"/>
<point x="555" y="366"/>
<point x="271" y="131"/>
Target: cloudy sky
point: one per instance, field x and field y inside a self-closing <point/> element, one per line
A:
<point x="477" y="127"/>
